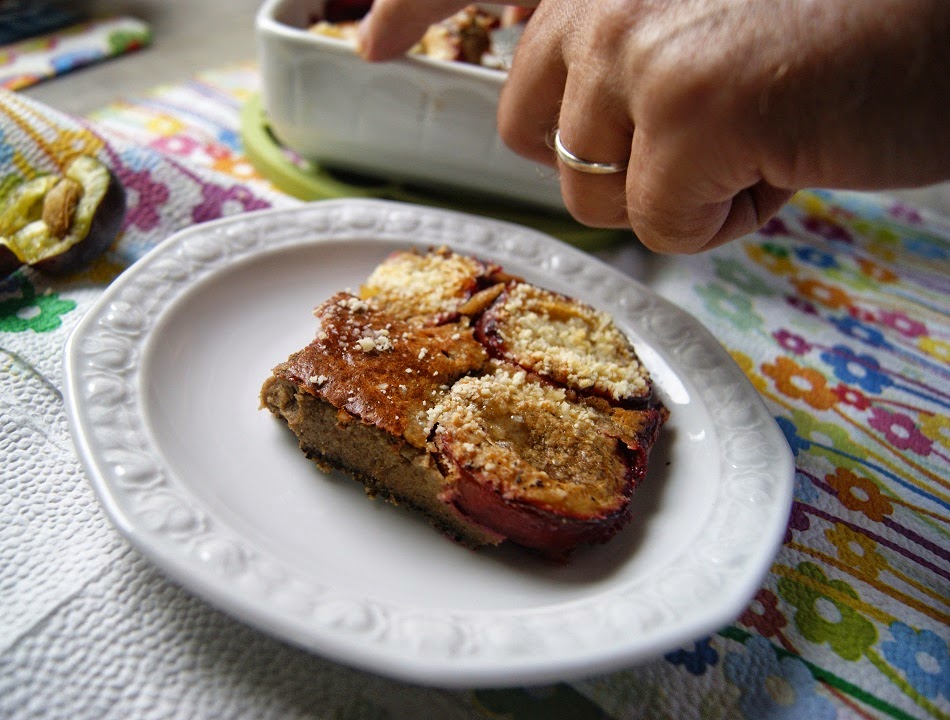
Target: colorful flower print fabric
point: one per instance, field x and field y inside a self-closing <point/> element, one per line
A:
<point x="838" y="311"/>
<point x="29" y="61"/>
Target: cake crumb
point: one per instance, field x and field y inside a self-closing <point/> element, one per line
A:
<point x="354" y="304"/>
<point x="377" y="340"/>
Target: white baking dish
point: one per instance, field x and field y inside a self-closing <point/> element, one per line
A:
<point x="417" y="119"/>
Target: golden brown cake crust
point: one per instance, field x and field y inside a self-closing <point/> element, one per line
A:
<point x="381" y="369"/>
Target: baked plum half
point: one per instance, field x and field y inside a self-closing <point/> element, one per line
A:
<point x="566" y="341"/>
<point x="434" y="288"/>
<point x="523" y="460"/>
<point x="58" y="224"/>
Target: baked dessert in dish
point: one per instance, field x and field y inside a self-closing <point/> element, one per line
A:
<point x="498" y="409"/>
<point x="472" y="35"/>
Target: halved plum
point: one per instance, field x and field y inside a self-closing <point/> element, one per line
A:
<point x="432" y="288"/>
<point x="566" y="341"/>
<point x="20" y="206"/>
<point x="59" y="224"/>
<point x="523" y="459"/>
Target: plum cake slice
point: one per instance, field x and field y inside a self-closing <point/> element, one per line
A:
<point x="499" y="410"/>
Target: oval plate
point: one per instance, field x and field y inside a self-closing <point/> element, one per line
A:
<point x="162" y="382"/>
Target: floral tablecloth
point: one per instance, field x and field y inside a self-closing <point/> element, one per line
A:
<point x="40" y="57"/>
<point x="837" y="311"/>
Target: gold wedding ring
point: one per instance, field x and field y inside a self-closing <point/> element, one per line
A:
<point x="581" y="165"/>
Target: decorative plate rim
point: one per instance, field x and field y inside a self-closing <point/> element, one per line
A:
<point x="605" y="631"/>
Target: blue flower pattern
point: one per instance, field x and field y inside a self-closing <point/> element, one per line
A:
<point x="861" y="331"/>
<point x="773" y="688"/>
<point x="697" y="660"/>
<point x="862" y="370"/>
<point x="924" y="658"/>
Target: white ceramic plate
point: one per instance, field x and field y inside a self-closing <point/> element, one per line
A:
<point x="162" y="381"/>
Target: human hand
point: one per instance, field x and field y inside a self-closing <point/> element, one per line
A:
<point x="719" y="109"/>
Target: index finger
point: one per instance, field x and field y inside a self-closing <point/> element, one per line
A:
<point x="530" y="99"/>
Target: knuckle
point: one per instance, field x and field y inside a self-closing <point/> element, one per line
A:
<point x="668" y="234"/>
<point x="595" y="209"/>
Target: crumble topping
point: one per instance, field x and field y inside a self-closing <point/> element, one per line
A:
<point x="373" y="339"/>
<point x="529" y="439"/>
<point x="569" y="341"/>
<point x="354" y="304"/>
<point x="409" y="284"/>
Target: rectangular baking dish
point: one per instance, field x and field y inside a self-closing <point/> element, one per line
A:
<point x="417" y="120"/>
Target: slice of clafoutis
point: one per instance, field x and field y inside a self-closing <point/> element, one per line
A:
<point x="499" y="410"/>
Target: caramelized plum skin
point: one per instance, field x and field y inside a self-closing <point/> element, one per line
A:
<point x="547" y="532"/>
